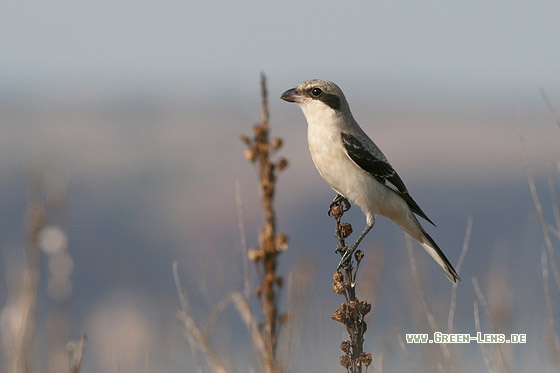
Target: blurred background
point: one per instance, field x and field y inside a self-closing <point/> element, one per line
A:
<point x="130" y="113"/>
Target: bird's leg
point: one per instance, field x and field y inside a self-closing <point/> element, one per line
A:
<point x="349" y="251"/>
<point x="340" y="199"/>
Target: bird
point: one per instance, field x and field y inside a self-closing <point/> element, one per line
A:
<point x="356" y="169"/>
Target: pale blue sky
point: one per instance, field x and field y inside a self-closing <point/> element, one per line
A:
<point x="187" y="40"/>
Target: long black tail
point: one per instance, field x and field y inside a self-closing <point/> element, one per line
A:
<point x="435" y="252"/>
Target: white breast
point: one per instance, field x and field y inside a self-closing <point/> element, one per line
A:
<point x="338" y="170"/>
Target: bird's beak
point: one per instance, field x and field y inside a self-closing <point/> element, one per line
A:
<point x="291" y="96"/>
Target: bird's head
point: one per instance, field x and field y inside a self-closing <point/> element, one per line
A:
<point x="318" y="98"/>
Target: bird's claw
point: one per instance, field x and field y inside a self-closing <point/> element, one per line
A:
<point x="346" y="256"/>
<point x="340" y="249"/>
<point x="339" y="199"/>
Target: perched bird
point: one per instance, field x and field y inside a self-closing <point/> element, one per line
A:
<point x="355" y="167"/>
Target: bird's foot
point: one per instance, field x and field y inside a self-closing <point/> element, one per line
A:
<point x="340" y="249"/>
<point x="340" y="200"/>
<point x="347" y="254"/>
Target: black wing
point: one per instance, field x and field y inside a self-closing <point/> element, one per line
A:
<point x="380" y="169"/>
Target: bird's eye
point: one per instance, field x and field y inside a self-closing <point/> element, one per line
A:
<point x="316" y="92"/>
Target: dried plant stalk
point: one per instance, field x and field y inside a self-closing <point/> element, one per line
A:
<point x="260" y="151"/>
<point x="18" y="356"/>
<point x="351" y="313"/>
<point x="76" y="354"/>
